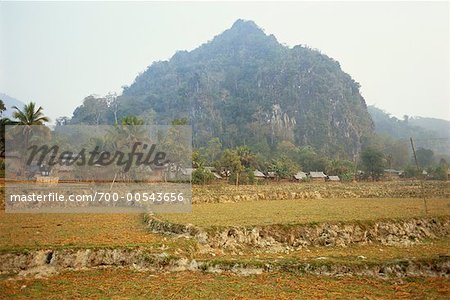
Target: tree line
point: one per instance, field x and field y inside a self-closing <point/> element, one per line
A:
<point x="284" y="160"/>
<point x="238" y="164"/>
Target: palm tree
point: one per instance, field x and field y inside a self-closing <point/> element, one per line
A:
<point x="29" y="115"/>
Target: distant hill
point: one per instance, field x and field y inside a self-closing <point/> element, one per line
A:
<point x="442" y="127"/>
<point x="9" y="103"/>
<point x="246" y="88"/>
<point x="428" y="133"/>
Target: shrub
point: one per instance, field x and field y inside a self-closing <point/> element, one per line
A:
<point x="202" y="176"/>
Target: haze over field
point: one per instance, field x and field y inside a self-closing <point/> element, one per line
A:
<point x="58" y="53"/>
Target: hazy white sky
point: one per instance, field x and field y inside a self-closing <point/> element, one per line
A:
<point x="58" y="53"/>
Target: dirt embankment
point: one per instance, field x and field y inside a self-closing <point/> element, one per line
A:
<point x="221" y="193"/>
<point x="277" y="238"/>
<point x="44" y="263"/>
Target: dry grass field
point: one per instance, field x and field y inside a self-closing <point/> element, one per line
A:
<point x="307" y="211"/>
<point x="110" y="284"/>
<point x="272" y="190"/>
<point x="44" y="231"/>
<point x="36" y="231"/>
<point x="82" y="230"/>
<point x="94" y="230"/>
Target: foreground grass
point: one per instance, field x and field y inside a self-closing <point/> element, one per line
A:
<point x="18" y="231"/>
<point x="104" y="284"/>
<point x="307" y="211"/>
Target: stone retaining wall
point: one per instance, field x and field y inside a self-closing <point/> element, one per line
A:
<point x="44" y="263"/>
<point x="275" y="238"/>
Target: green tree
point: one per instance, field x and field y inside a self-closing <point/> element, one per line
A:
<point x="123" y="137"/>
<point x="29" y="116"/>
<point x="441" y="170"/>
<point x="288" y="149"/>
<point x="201" y="175"/>
<point x="231" y="162"/>
<point x="213" y="149"/>
<point x="245" y="177"/>
<point x="310" y="160"/>
<point x="176" y="143"/>
<point x="197" y="159"/>
<point x="396" y="152"/>
<point x="411" y="171"/>
<point x="31" y="121"/>
<point x="2" y="107"/>
<point x="372" y="162"/>
<point x="91" y="112"/>
<point x="180" y="121"/>
<point x="245" y="155"/>
<point x="132" y="121"/>
<point x="3" y="123"/>
<point x="342" y="168"/>
<point x="284" y="167"/>
<point x="425" y="157"/>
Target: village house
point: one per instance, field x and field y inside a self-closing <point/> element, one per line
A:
<point x="392" y="174"/>
<point x="217" y="176"/>
<point x="333" y="178"/>
<point x="214" y="172"/>
<point x="258" y="174"/>
<point x="317" y="176"/>
<point x="271" y="175"/>
<point x="300" y="176"/>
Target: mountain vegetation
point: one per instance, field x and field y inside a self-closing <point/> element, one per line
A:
<point x="246" y="89"/>
<point x="254" y="103"/>
<point x="428" y="133"/>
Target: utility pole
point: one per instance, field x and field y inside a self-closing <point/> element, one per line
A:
<point x="421" y="179"/>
